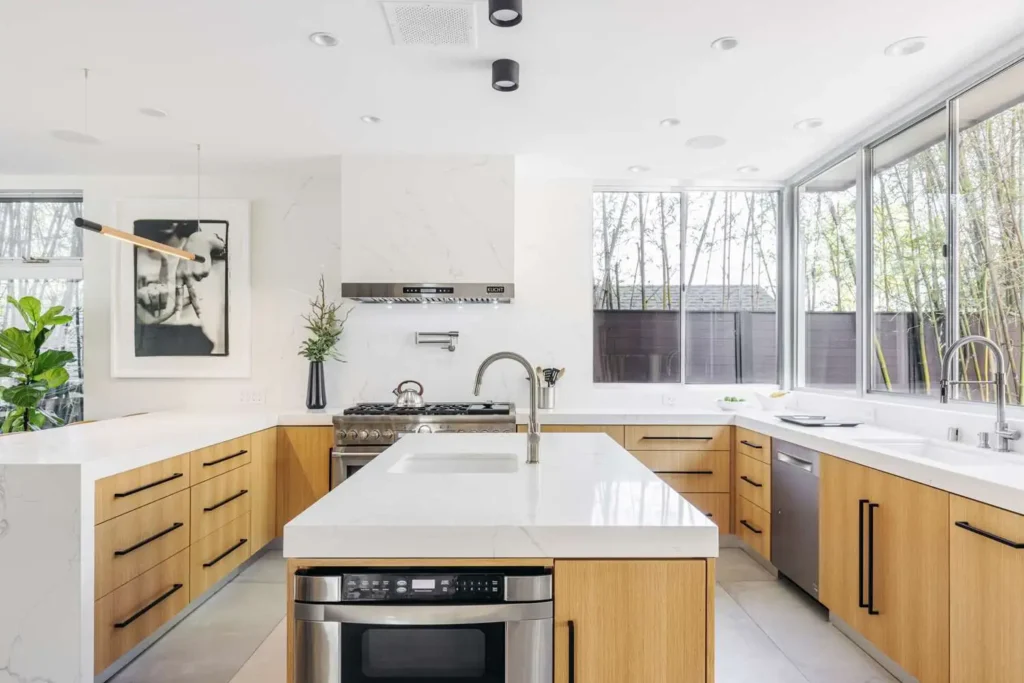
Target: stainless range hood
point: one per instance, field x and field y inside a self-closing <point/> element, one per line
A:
<point x="418" y="292"/>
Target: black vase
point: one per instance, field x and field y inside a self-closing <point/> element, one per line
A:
<point x="316" y="389"/>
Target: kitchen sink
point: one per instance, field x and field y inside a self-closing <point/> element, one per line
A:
<point x="456" y="463"/>
<point x="960" y="456"/>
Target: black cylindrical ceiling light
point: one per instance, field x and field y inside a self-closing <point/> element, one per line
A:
<point x="505" y="13"/>
<point x="505" y="75"/>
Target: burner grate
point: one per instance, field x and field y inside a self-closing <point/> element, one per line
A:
<point x="430" y="409"/>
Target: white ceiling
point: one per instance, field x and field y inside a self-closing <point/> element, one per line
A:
<point x="240" y="77"/>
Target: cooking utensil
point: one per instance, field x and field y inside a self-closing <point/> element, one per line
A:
<point x="408" y="398"/>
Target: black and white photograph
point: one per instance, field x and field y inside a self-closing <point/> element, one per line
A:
<point x="182" y="306"/>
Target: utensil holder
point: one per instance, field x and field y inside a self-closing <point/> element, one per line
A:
<point x="547" y="398"/>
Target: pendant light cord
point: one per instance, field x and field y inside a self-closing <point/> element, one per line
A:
<point x="199" y="195"/>
<point x="85" y="107"/>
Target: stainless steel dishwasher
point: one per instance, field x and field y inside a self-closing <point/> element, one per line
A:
<point x="795" y="477"/>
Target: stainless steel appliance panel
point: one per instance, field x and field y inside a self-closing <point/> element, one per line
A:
<point x="537" y="639"/>
<point x="795" y="480"/>
<point x="320" y="643"/>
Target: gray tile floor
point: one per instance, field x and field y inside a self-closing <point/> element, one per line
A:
<point x="766" y="631"/>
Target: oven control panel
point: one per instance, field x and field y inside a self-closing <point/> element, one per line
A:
<point x="423" y="588"/>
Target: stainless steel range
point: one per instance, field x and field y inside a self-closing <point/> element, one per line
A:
<point x="366" y="429"/>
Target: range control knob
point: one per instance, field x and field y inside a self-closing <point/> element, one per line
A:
<point x="374" y="434"/>
<point x="362" y="434"/>
<point x="351" y="434"/>
<point x="388" y="433"/>
<point x="424" y="429"/>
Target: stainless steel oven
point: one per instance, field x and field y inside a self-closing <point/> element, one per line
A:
<point x="347" y="460"/>
<point x="423" y="625"/>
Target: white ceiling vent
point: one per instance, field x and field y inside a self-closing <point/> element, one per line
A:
<point x="436" y="24"/>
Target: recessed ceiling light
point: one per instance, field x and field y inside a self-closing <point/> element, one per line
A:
<point x="725" y="43"/>
<point x="75" y="137"/>
<point x="638" y="169"/>
<point x="705" y="142"/>
<point x="153" y="112"/>
<point x="906" y="46"/>
<point x="669" y="123"/>
<point x="748" y="169"/>
<point x="323" y="39"/>
<point x="369" y="119"/>
<point x="809" y="124"/>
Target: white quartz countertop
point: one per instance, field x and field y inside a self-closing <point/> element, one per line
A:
<point x="587" y="498"/>
<point x="983" y="475"/>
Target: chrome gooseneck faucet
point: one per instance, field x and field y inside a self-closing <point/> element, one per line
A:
<point x="1003" y="432"/>
<point x="533" y="437"/>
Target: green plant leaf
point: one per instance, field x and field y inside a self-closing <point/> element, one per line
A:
<point x="30" y="308"/>
<point x="25" y="396"/>
<point x="36" y="419"/>
<point x="17" y="345"/>
<point x="54" y="377"/>
<point x="51" y="417"/>
<point x="51" y="313"/>
<point x="13" y="421"/>
<point x="7" y="370"/>
<point x="51" y="359"/>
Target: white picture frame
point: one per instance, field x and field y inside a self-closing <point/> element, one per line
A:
<point x="238" y="361"/>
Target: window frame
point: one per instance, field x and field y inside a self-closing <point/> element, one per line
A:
<point x="782" y="295"/>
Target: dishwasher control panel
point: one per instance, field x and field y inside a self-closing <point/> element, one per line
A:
<point x="423" y="587"/>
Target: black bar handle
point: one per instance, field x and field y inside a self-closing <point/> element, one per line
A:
<point x="177" y="587"/>
<point x="225" y="458"/>
<point x="122" y="553"/>
<point x="990" y="535"/>
<point x="689" y="472"/>
<point x="752" y="445"/>
<point x="572" y="651"/>
<point x="861" y="602"/>
<point x="241" y="542"/>
<point x="754" y="529"/>
<point x="871" y="558"/>
<point x="176" y="475"/>
<point x="750" y="481"/>
<point x="226" y="501"/>
<point x="88" y="225"/>
<point x="676" y="438"/>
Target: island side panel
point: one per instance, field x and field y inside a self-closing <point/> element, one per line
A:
<point x="709" y="638"/>
<point x="295" y="564"/>
<point x="42" y="590"/>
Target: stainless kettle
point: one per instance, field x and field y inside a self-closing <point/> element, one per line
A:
<point x="408" y="398"/>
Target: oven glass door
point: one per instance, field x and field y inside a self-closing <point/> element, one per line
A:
<point x="466" y="653"/>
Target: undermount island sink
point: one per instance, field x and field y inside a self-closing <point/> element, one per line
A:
<point x="456" y="463"/>
<point x="927" y="449"/>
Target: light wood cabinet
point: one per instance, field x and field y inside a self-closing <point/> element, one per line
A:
<point x="617" y="432"/>
<point x="754" y="526"/>
<point x="754" y="481"/>
<point x="677" y="438"/>
<point x="689" y="471"/>
<point x="716" y="506"/>
<point x="986" y="611"/>
<point x="884" y="563"/>
<point x="220" y="500"/>
<point x="217" y="459"/>
<point x="263" y="477"/>
<point x="303" y="469"/>
<point x="215" y="555"/>
<point x="633" y="620"/>
<point x="131" y="490"/>
<point x="753" y="445"/>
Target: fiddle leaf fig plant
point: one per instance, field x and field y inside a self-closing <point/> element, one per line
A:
<point x="34" y="371"/>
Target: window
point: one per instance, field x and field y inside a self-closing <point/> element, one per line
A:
<point x="727" y="285"/>
<point x="731" y="277"/>
<point x="41" y="256"/>
<point x="827" y="219"/>
<point x="990" y="222"/>
<point x="908" y="266"/>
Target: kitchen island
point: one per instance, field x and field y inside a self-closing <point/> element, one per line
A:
<point x="632" y="563"/>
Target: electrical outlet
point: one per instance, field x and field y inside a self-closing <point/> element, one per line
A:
<point x="668" y="400"/>
<point x="252" y="397"/>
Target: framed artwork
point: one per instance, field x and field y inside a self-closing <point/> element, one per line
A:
<point x="177" y="318"/>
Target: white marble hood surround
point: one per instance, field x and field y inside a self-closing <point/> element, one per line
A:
<point x="587" y="498"/>
<point x="995" y="478"/>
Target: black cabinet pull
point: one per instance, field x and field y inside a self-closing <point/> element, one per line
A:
<point x="990" y="535"/>
<point x="675" y="438"/>
<point x="176" y="475"/>
<point x="752" y="445"/>
<point x="241" y="542"/>
<point x="122" y="553"/>
<point x="572" y="651"/>
<point x="871" y="558"/>
<point x="224" y="459"/>
<point x="744" y="523"/>
<point x="121" y="624"/>
<point x="861" y="602"/>
<point x="689" y="472"/>
<point x="226" y="501"/>
<point x="750" y="481"/>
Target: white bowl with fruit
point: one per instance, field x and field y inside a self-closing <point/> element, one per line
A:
<point x="773" y="401"/>
<point x="732" y="403"/>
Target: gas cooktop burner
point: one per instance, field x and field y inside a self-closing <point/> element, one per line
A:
<point x="389" y="409"/>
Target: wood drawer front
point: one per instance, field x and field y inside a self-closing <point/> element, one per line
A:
<point x="220" y="500"/>
<point x="756" y="520"/>
<point x="690" y="471"/>
<point x="152" y="598"/>
<point x="677" y="438"/>
<point x="754" y="481"/>
<point x="215" y="460"/>
<point x="754" y="445"/>
<point x="717" y="506"/>
<point x="214" y="556"/>
<point x="617" y="432"/>
<point x="137" y="541"/>
<point x="130" y="490"/>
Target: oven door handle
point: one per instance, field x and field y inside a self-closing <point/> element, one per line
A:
<point x="424" y="614"/>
